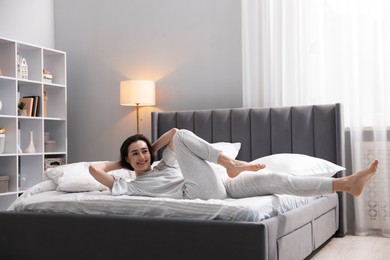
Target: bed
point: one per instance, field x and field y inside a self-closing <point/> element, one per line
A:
<point x="290" y="234"/>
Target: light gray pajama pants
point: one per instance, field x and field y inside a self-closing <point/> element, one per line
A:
<point x="202" y="182"/>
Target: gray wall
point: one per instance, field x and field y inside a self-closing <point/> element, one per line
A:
<point x="191" y="48"/>
<point x="28" y="21"/>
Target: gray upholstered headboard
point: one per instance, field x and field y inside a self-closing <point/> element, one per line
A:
<point x="312" y="130"/>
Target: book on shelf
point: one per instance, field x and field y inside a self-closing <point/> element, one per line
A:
<point x="47" y="81"/>
<point x="47" y="76"/>
<point x="45" y="97"/>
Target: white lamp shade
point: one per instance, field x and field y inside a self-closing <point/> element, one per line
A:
<point x="137" y="92"/>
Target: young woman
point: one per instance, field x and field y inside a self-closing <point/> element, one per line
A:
<point x="183" y="172"/>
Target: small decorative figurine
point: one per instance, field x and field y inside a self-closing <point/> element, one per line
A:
<point x="22" y="67"/>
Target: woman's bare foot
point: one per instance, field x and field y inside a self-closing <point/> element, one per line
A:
<point x="354" y="184"/>
<point x="240" y="166"/>
<point x="360" y="178"/>
<point x="235" y="167"/>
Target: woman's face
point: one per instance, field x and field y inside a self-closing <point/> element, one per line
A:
<point x="139" y="157"/>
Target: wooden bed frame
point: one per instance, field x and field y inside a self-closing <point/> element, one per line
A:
<point x="312" y="130"/>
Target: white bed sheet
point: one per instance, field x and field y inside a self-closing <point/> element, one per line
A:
<point x="45" y="198"/>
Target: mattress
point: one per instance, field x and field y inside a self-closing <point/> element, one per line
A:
<point x="44" y="197"/>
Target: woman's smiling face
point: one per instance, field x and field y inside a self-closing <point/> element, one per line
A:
<point x="139" y="157"/>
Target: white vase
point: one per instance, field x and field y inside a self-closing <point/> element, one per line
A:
<point x="30" y="148"/>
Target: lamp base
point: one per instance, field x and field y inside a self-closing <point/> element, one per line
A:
<point x="137" y="118"/>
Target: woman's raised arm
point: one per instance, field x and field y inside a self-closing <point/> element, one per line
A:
<point x="99" y="172"/>
<point x="165" y="139"/>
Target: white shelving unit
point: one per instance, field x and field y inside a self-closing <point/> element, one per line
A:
<point x="25" y="169"/>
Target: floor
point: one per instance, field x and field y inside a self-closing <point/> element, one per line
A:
<point x="354" y="247"/>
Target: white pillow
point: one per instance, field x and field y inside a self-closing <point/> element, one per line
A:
<point x="73" y="169"/>
<point x="79" y="184"/>
<point x="230" y="149"/>
<point x="299" y="165"/>
<point x="75" y="177"/>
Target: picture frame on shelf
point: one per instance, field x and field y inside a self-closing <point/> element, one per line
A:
<point x="29" y="102"/>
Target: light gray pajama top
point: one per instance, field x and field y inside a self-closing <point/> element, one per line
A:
<point x="164" y="180"/>
<point x="185" y="174"/>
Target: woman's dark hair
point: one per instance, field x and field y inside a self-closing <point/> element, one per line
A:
<point x="125" y="150"/>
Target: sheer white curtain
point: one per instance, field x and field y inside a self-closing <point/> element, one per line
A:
<point x="298" y="52"/>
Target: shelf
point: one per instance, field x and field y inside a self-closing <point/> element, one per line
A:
<point x="54" y="62"/>
<point x="7" y="96"/>
<point x="9" y="168"/>
<point x="7" y="78"/>
<point x="7" y="193"/>
<point x="26" y="169"/>
<point x="30" y="117"/>
<point x="7" y="58"/>
<point x="33" y="57"/>
<point x="31" y="170"/>
<point x="54" y="118"/>
<point x="55" y="105"/>
<point x="28" y="81"/>
<point x="8" y="154"/>
<point x="28" y="154"/>
<point x="10" y="124"/>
